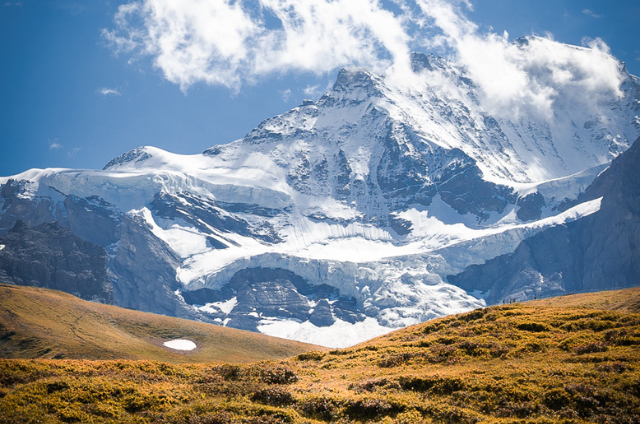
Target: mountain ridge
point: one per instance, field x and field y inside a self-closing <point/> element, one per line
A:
<point x="380" y="190"/>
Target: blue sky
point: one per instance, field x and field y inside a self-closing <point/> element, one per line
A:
<point x="80" y="85"/>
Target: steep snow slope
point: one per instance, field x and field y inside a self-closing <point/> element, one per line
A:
<point x="343" y="214"/>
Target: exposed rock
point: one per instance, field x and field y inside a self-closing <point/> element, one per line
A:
<point x="530" y="207"/>
<point x="262" y="293"/>
<point x="461" y="185"/>
<point x="51" y="256"/>
<point x="144" y="272"/>
<point x="597" y="252"/>
<point x="16" y="206"/>
<point x="205" y="214"/>
<point x="321" y="315"/>
<point x="135" y="155"/>
<point x="93" y="219"/>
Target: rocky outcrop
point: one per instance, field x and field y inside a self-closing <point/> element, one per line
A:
<point x="93" y="219"/>
<point x="14" y="206"/>
<point x="144" y="272"/>
<point x="598" y="252"/>
<point x="206" y="214"/>
<point x="50" y="255"/>
<point x="256" y="294"/>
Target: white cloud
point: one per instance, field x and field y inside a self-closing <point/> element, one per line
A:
<point x="54" y="145"/>
<point x="526" y="76"/>
<point x="589" y="12"/>
<point x="286" y="95"/>
<point x="234" y="42"/>
<point x="311" y="90"/>
<point x="226" y="42"/>
<point x="109" y="92"/>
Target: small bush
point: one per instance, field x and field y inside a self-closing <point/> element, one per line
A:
<point x="310" y="356"/>
<point x="57" y="386"/>
<point x="369" y="408"/>
<point x="617" y="367"/>
<point x="556" y="398"/>
<point x="276" y="375"/>
<point x="229" y="372"/>
<point x="318" y="407"/>
<point x="517" y="409"/>
<point x="590" y="348"/>
<point x="432" y="328"/>
<point x="534" y="327"/>
<point x="273" y="396"/>
<point x="473" y="315"/>
<point x="373" y="384"/>
<point x="434" y="384"/>
<point x="396" y="360"/>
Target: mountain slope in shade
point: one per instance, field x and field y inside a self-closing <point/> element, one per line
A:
<point x="45" y="324"/>
<point x="50" y="255"/>
<point x="600" y="251"/>
<point x="338" y="220"/>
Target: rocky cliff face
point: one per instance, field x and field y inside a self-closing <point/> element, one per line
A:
<point x="598" y="252"/>
<point x="143" y="272"/>
<point x="51" y="256"/>
<point x="340" y="219"/>
<point x="255" y="294"/>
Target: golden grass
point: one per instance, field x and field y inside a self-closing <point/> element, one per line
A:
<point x="627" y="300"/>
<point x="505" y="364"/>
<point x="41" y="323"/>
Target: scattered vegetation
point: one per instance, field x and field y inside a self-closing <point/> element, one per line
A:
<point x="523" y="363"/>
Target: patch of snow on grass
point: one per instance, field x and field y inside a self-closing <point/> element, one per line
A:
<point x="180" y="344"/>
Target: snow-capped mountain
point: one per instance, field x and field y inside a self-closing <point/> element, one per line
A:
<point x="340" y="219"/>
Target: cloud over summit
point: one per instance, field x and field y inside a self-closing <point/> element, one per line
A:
<point x="231" y="43"/>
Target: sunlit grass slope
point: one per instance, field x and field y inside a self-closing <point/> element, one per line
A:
<point x="41" y="323"/>
<point x="514" y="363"/>
<point x="627" y="300"/>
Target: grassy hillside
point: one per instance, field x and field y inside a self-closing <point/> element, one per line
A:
<point x="41" y="323"/>
<point x="627" y="300"/>
<point x="527" y="362"/>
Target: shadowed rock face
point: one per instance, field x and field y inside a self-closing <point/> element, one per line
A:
<point x="197" y="211"/>
<point x="51" y="256"/>
<point x="144" y="272"/>
<point x="597" y="252"/>
<point x="270" y="292"/>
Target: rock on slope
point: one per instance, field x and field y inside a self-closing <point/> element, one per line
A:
<point x="336" y="221"/>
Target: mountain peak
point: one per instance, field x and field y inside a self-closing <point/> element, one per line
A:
<point x="136" y="155"/>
